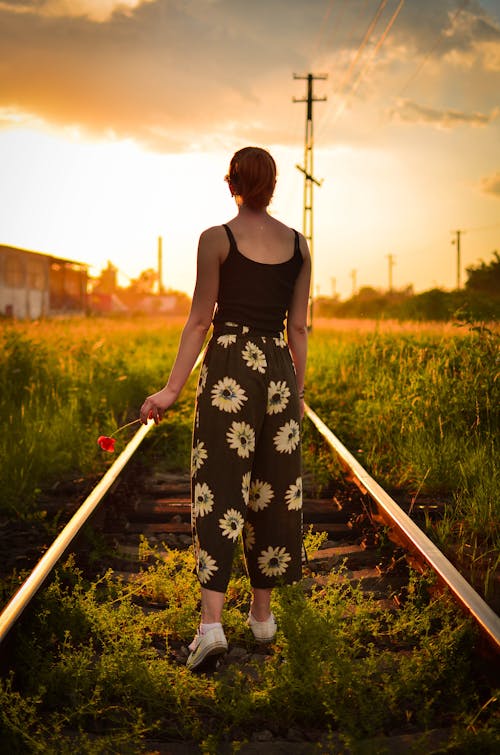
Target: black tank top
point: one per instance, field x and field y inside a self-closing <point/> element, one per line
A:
<point x="256" y="294"/>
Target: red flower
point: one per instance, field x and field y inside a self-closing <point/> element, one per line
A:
<point x="106" y="443"/>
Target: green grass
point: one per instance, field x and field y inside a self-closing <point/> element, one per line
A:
<point x="62" y="384"/>
<point x="421" y="412"/>
<point x="94" y="672"/>
<point x="418" y="406"/>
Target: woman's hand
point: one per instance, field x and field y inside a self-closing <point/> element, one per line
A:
<point x="155" y="406"/>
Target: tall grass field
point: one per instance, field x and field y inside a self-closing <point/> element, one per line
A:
<point x="93" y="672"/>
<point x="417" y="404"/>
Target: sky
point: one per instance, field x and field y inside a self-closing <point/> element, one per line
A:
<point x="118" y="119"/>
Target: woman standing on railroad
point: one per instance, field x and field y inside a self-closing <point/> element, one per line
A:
<point x="253" y="274"/>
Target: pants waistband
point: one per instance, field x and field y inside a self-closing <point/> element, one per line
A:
<point x="221" y="328"/>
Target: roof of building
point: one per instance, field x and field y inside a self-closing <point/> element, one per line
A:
<point x="44" y="254"/>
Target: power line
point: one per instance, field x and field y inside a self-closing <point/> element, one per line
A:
<point x="363" y="70"/>
<point x="359" y="52"/>
<point x="319" y="37"/>
<point x="377" y="47"/>
<point x="484" y="227"/>
<point x="438" y="40"/>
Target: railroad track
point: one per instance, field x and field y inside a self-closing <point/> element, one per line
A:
<point x="356" y="517"/>
<point x="401" y="529"/>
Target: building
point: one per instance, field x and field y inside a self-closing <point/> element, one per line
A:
<point x="34" y="285"/>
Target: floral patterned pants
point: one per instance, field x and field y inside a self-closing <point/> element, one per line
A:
<point x="246" y="460"/>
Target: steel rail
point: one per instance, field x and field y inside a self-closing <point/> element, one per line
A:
<point x="32" y="584"/>
<point x="414" y="539"/>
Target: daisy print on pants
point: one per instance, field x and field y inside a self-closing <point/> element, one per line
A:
<point x="277" y="396"/>
<point x="287" y="438"/>
<point x="227" y="395"/>
<point x="254" y="357"/>
<point x="198" y="456"/>
<point x="293" y="495"/>
<point x="245" y="487"/>
<point x="226" y="340"/>
<point x="241" y="437"/>
<point x="249" y="536"/>
<point x="261" y="493"/>
<point x="231" y="524"/>
<point x="206" y="566"/>
<point x="202" y="379"/>
<point x="274" y="561"/>
<point x="203" y="499"/>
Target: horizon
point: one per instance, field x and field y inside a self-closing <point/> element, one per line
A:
<point x="131" y="137"/>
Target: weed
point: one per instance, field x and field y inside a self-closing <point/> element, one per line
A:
<point x="91" y="662"/>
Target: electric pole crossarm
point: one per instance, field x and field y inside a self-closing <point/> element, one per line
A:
<point x="310" y="178"/>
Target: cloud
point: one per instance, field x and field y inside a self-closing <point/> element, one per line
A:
<point x="174" y="74"/>
<point x="411" y="112"/>
<point x="170" y="71"/>
<point x="95" y="10"/>
<point x="473" y="41"/>
<point x="491" y="184"/>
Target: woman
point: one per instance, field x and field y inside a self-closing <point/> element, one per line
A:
<point x="253" y="273"/>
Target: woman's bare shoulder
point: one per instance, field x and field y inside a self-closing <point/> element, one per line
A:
<point x="214" y="242"/>
<point x="214" y="233"/>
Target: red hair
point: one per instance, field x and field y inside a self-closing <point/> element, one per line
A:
<point x="252" y="176"/>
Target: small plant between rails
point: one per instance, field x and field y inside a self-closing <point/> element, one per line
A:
<point x="93" y="667"/>
<point x="99" y="662"/>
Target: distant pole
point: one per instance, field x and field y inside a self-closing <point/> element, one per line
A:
<point x="333" y="284"/>
<point x="354" y="285"/>
<point x="308" y="170"/>
<point x="390" y="258"/>
<point x="160" y="265"/>
<point x="456" y="241"/>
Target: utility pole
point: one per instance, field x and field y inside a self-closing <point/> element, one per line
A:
<point x="160" y="266"/>
<point x="456" y="241"/>
<point x="354" y="285"/>
<point x="308" y="170"/>
<point x="392" y="262"/>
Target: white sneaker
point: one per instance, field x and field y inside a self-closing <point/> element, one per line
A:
<point x="205" y="645"/>
<point x="263" y="631"/>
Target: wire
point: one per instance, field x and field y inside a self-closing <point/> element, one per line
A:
<point x="483" y="227"/>
<point x="379" y="44"/>
<point x="364" y="42"/>
<point x="431" y="50"/>
<point x="356" y="57"/>
<point x="316" y="45"/>
<point x="372" y="57"/>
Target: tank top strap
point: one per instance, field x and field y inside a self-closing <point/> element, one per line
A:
<point x="297" y="254"/>
<point x="230" y="235"/>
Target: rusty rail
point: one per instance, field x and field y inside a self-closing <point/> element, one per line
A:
<point x="414" y="539"/>
<point x="30" y="587"/>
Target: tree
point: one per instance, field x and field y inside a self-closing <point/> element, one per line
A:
<point x="485" y="278"/>
<point x="145" y="283"/>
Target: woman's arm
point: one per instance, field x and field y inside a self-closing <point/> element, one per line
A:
<point x="297" y="319"/>
<point x="212" y="245"/>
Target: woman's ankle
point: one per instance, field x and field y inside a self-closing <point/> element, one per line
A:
<point x="260" y="613"/>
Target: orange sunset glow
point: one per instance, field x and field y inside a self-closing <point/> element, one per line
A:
<point x="118" y="119"/>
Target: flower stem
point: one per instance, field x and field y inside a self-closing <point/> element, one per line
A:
<point x="134" y="421"/>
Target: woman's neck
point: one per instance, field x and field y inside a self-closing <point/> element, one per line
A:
<point x="250" y="213"/>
